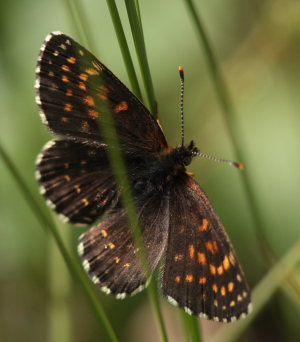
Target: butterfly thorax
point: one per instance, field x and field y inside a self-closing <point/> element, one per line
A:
<point x="167" y="167"/>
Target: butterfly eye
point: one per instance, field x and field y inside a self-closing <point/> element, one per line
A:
<point x="187" y="160"/>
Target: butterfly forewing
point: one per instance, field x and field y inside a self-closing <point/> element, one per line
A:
<point x="201" y="272"/>
<point x="74" y="90"/>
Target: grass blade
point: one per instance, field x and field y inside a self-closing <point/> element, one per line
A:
<point x="232" y="128"/>
<point x="59" y="284"/>
<point x="140" y="48"/>
<point x="109" y="133"/>
<point x="80" y="23"/>
<point x="191" y="327"/>
<point x="124" y="48"/>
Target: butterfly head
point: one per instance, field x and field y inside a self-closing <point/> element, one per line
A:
<point x="185" y="154"/>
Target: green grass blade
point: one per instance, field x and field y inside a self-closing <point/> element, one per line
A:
<point x="124" y="48"/>
<point x="232" y="128"/>
<point x="191" y="327"/>
<point x="59" y="287"/>
<point x="119" y="166"/>
<point x="80" y="23"/>
<point x="109" y="133"/>
<point x="140" y="47"/>
<point x="194" y="329"/>
<point x="262" y="294"/>
<point x="48" y="224"/>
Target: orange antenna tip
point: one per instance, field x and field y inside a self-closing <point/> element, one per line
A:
<point x="240" y="166"/>
<point x="181" y="72"/>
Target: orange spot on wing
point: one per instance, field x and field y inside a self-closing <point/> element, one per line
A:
<point x="67" y="178"/>
<point x="239" y="298"/>
<point x="104" y="232"/>
<point x="231" y="286"/>
<point x="213" y="269"/>
<point x="177" y="279"/>
<point x="238" y="277"/>
<point x="65" y="78"/>
<point x="92" y="71"/>
<point x="82" y="86"/>
<point x="189" y="278"/>
<point x="178" y="257"/>
<point x="203" y="227"/>
<point x="226" y="263"/>
<point x="89" y="100"/>
<point x="191" y="174"/>
<point x="232" y="258"/>
<point x="202" y="280"/>
<point x="220" y="270"/>
<point x="212" y="246"/>
<point x="94" y="114"/>
<point x="68" y="107"/>
<point x="192" y="251"/>
<point x="127" y="265"/>
<point x="215" y="288"/>
<point x="69" y="92"/>
<point x="111" y="245"/>
<point x="77" y="188"/>
<point x="71" y="60"/>
<point x="202" y="258"/>
<point x="66" y="68"/>
<point x="122" y="106"/>
<point x="232" y="303"/>
<point x="85" y="201"/>
<point x="216" y="303"/>
<point x="223" y="291"/>
<point x="117" y="260"/>
<point x="65" y="119"/>
<point x="83" y="76"/>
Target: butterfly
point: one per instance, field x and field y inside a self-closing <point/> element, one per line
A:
<point x="183" y="235"/>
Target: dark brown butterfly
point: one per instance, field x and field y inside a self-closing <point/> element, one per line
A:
<point x="200" y="270"/>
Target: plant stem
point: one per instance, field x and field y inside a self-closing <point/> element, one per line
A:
<point x="140" y="48"/>
<point x="233" y="128"/>
<point x="80" y="23"/>
<point x="109" y="133"/>
<point x="124" y="48"/>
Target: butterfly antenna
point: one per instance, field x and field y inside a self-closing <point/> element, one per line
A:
<point x="181" y="74"/>
<point x="240" y="166"/>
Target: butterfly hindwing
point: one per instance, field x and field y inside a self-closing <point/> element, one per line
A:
<point x="76" y="180"/>
<point x="109" y="253"/>
<point x="74" y="89"/>
<point x="201" y="272"/>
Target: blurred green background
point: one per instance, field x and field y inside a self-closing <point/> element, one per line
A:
<point x="258" y="46"/>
